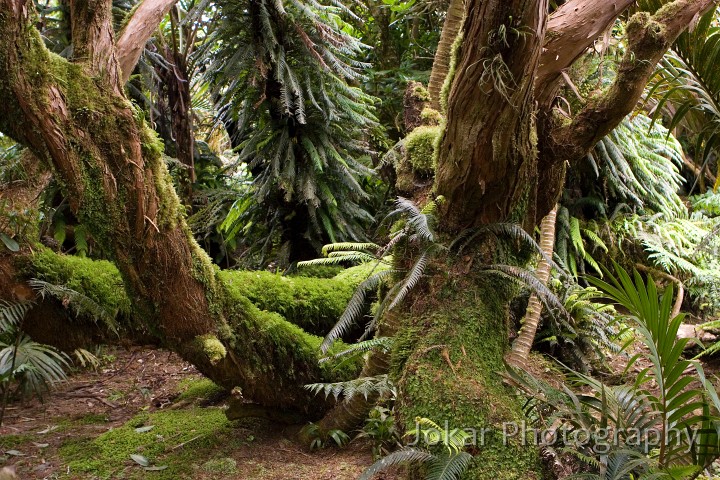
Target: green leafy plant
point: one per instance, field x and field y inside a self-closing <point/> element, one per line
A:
<point x="15" y="226"/>
<point x="660" y="426"/>
<point x="319" y="440"/>
<point x="588" y="334"/>
<point x="380" y="429"/>
<point x="685" y="88"/>
<point x="365" y="386"/>
<point x="26" y="367"/>
<point x="447" y="464"/>
<point x="282" y="83"/>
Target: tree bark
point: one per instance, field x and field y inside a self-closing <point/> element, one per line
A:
<point x="487" y="156"/>
<point x="572" y="29"/>
<point x="76" y="116"/>
<point x="137" y="31"/>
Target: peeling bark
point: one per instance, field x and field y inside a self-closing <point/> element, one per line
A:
<point x="137" y="31"/>
<point x="572" y="29"/>
<point x="441" y="63"/>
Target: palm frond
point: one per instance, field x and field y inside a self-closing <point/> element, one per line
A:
<point x="12" y="314"/>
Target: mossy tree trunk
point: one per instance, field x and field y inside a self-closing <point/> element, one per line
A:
<point x="75" y="115"/>
<point x="450" y="346"/>
<point x="452" y="340"/>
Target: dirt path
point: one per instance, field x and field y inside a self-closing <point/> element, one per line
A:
<point x="150" y="403"/>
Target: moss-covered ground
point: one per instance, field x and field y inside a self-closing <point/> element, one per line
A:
<point x="150" y="403"/>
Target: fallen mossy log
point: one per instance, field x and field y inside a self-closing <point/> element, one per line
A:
<point x="274" y="356"/>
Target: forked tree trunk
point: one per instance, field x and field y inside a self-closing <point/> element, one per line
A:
<point x="523" y="343"/>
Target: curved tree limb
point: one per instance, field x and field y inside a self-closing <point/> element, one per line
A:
<point x="132" y="38"/>
<point x="572" y="28"/>
<point x="649" y="37"/>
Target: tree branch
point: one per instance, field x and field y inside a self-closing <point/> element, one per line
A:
<point x="572" y="28"/>
<point x="138" y="30"/>
<point x="649" y="37"/>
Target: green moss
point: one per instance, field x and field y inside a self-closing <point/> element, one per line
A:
<point x="212" y="348"/>
<point x="198" y="389"/>
<point x="277" y="343"/>
<point x="220" y="466"/>
<point x="420" y="149"/>
<point x="91" y="419"/>
<point x="171" y="211"/>
<point x="360" y="273"/>
<point x="108" y="456"/>
<point x="421" y="93"/>
<point x="97" y="279"/>
<point x="468" y="323"/>
<point x="314" y="304"/>
<point x="431" y="117"/>
<point x="9" y="442"/>
<point x="318" y="271"/>
<point x="447" y="84"/>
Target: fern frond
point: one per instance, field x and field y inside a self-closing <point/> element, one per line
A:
<point x="449" y="467"/>
<point x="79" y="303"/>
<point x="404" y="455"/>
<point x="528" y="279"/>
<point x="364" y="386"/>
<point x="355" y="309"/>
<point x="383" y="344"/>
